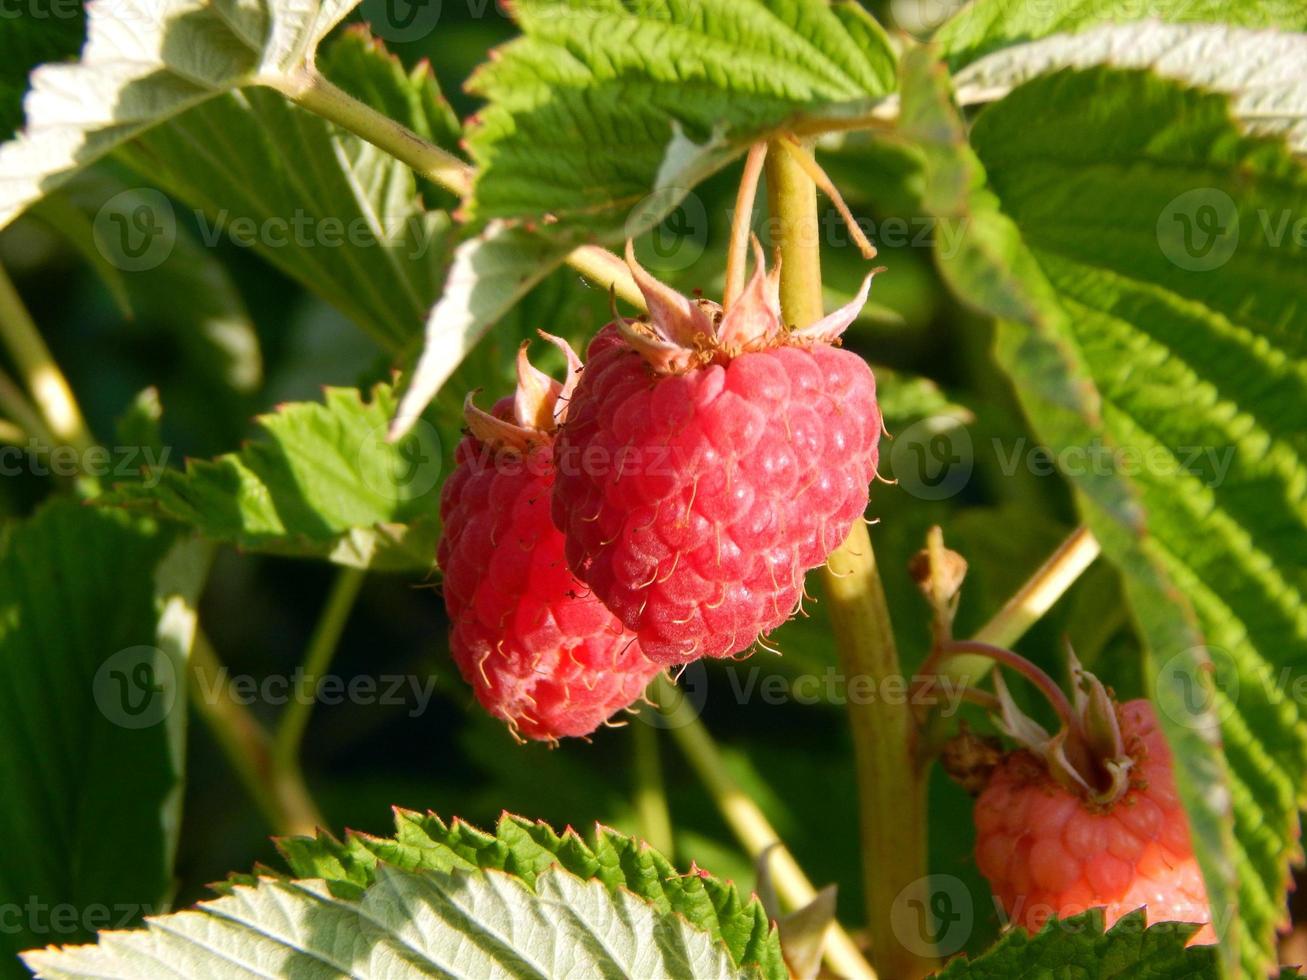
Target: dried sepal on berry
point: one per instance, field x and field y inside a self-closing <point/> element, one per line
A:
<point x="529" y="419"/>
<point x="681" y="333"/>
<point x="1088" y="754"/>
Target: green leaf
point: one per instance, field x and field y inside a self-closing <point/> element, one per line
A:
<point x="423" y="842"/>
<point x="1079" y="947"/>
<point x="96" y="619"/>
<point x="346" y="220"/>
<point x="1261" y="70"/>
<point x="983" y="26"/>
<point x="600" y="104"/>
<point x="1121" y="336"/>
<point x="323" y="482"/>
<point x="408" y="925"/>
<point x="145" y="61"/>
<point x="489" y="274"/>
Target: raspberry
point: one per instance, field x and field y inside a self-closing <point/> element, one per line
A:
<point x="1048" y="851"/>
<point x="540" y="651"/>
<point x="710" y="459"/>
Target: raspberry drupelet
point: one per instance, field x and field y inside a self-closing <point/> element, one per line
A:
<point x="539" y="649"/>
<point x="711" y="458"/>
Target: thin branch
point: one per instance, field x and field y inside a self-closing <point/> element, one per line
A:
<point x="651" y="813"/>
<point x="1038" y="595"/>
<point x="1054" y="694"/>
<point x="311" y="90"/>
<point x="281" y="796"/>
<point x="738" y="248"/>
<point x="40" y="374"/>
<point x="750" y="825"/>
<point x="21" y="411"/>
<point x="824" y="184"/>
<point x="322" y="647"/>
<point x="1027" y="606"/>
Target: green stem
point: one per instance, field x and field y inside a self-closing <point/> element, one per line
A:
<point x="322" y="647"/>
<point x="652" y="816"/>
<point x="310" y="89"/>
<point x="280" y="795"/>
<point x="750" y="825"/>
<point x="891" y="792"/>
<point x="20" y="411"/>
<point x="40" y="373"/>
<point x="1026" y="607"/>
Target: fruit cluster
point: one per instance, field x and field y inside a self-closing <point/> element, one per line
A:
<point x="661" y="504"/>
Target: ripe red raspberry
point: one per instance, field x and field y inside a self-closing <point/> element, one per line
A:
<point x="710" y="459"/>
<point x="540" y="651"/>
<point x="1047" y="850"/>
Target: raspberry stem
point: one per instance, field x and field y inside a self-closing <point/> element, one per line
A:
<point x="280" y="794"/>
<point x="750" y="825"/>
<point x="50" y="392"/>
<point x="892" y="796"/>
<point x="1057" y="699"/>
<point x="308" y="88"/>
<point x="651" y="813"/>
<point x="741" y="222"/>
<point x="322" y="647"/>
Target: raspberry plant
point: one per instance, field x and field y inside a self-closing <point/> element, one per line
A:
<point x="1080" y="382"/>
